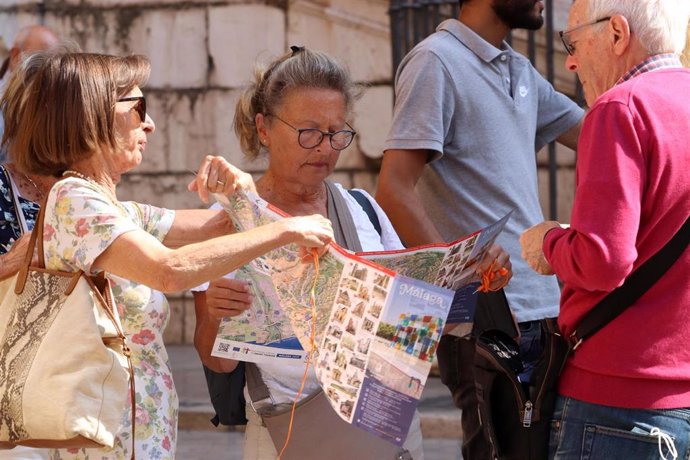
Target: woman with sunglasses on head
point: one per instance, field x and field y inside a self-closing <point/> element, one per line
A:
<point x="82" y="119"/>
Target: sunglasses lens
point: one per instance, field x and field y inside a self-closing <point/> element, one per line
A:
<point x="141" y="109"/>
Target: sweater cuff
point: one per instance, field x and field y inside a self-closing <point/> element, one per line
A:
<point x="550" y="239"/>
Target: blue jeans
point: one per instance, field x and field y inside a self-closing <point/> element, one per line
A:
<point x="531" y="347"/>
<point x="581" y="430"/>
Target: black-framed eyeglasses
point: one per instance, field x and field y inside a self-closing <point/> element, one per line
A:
<point x="140" y="107"/>
<point x="564" y="34"/>
<point x="308" y="138"/>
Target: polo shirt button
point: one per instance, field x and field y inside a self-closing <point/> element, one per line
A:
<point x="503" y="57"/>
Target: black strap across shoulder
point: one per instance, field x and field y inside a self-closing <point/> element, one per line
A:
<point x="639" y="282"/>
<point x="367" y="207"/>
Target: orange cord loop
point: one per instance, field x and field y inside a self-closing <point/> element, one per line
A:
<point x="489" y="275"/>
<point x="312" y="344"/>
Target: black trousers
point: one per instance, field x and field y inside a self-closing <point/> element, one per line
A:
<point x="455" y="361"/>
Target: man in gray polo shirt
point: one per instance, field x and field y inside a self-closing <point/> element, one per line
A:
<point x="470" y="114"/>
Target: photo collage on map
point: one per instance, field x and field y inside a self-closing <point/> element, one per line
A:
<point x="352" y="327"/>
<point x="407" y="337"/>
<point x="457" y="267"/>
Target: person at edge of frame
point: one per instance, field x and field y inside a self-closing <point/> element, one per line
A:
<point x="625" y="391"/>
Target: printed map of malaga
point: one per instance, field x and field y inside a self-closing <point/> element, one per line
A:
<point x="280" y="283"/>
<point x="377" y="317"/>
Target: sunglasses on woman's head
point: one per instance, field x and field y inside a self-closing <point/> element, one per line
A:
<point x="140" y="107"/>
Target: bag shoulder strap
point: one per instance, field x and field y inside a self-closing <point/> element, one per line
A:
<point x="367" y="207"/>
<point x="639" y="282"/>
<point x="339" y="214"/>
<point x="256" y="387"/>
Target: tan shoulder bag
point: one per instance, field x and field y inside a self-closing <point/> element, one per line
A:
<point x="64" y="361"/>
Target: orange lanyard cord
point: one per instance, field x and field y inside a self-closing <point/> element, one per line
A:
<point x="489" y="275"/>
<point x="312" y="344"/>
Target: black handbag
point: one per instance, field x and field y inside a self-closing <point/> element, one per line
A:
<point x="516" y="417"/>
<point x="226" y="390"/>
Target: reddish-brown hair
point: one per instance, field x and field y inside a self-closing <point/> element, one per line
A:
<point x="59" y="107"/>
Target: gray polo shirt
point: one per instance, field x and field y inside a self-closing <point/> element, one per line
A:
<point x="485" y="112"/>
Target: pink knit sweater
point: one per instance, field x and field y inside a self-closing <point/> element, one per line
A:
<point x="633" y="194"/>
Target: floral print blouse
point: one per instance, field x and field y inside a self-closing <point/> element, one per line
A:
<point x="81" y="221"/>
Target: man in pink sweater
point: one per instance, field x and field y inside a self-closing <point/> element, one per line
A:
<point x="625" y="392"/>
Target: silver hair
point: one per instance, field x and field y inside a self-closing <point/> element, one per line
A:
<point x="661" y="26"/>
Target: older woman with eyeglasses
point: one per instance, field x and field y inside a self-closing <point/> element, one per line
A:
<point x="82" y="119"/>
<point x="295" y="113"/>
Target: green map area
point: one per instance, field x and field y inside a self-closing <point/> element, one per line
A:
<point x="422" y="266"/>
<point x="294" y="289"/>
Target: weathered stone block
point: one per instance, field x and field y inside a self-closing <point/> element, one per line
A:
<point x="11" y="22"/>
<point x="373" y="116"/>
<point x="134" y="3"/>
<point x="565" y="80"/>
<point x="366" y="51"/>
<point x="192" y="124"/>
<point x="375" y="11"/>
<point x="155" y="158"/>
<point x="239" y="35"/>
<point x="561" y="8"/>
<point x="175" y="41"/>
<point x="343" y="178"/>
<point x="362" y="43"/>
<point x="190" y="131"/>
<point x="21" y="4"/>
<point x="564" y="156"/>
<point x="308" y="26"/>
<point x="365" y="180"/>
<point x="165" y="190"/>
<point x="94" y="31"/>
<point x="179" y="331"/>
<point x="222" y="107"/>
<point x="189" y="319"/>
<point x="351" y="158"/>
<point x="8" y="30"/>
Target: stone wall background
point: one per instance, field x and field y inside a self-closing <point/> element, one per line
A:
<point x="203" y="52"/>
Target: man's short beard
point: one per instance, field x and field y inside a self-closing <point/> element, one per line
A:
<point x="517" y="16"/>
